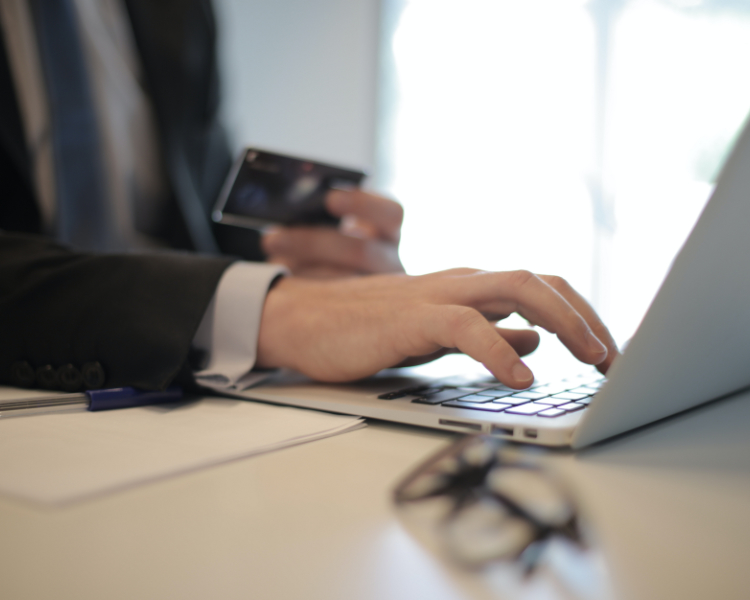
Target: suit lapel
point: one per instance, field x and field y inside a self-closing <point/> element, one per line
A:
<point x="11" y="128"/>
<point x="176" y="40"/>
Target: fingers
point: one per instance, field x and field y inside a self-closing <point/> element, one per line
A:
<point x="356" y="227"/>
<point x="542" y="304"/>
<point x="536" y="300"/>
<point x="366" y="242"/>
<point x="414" y="361"/>
<point x="325" y="246"/>
<point x="464" y="328"/>
<point x="589" y="314"/>
<point x="523" y="341"/>
<point x="351" y="328"/>
<point x="383" y="215"/>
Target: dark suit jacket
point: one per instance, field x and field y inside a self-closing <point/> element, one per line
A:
<point x="134" y="314"/>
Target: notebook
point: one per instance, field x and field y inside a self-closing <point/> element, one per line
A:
<point x="693" y="346"/>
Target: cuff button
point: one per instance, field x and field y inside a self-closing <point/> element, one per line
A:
<point x="22" y="374"/>
<point x="93" y="375"/>
<point x="69" y="378"/>
<point x="46" y="378"/>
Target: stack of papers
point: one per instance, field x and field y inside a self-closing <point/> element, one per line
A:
<point x="57" y="458"/>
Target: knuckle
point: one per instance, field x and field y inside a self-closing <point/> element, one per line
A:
<point x="464" y="318"/>
<point x="521" y="277"/>
<point x="558" y="283"/>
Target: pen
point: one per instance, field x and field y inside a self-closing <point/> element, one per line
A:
<point x="124" y="397"/>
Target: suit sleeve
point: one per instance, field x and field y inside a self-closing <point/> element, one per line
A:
<point x="135" y="314"/>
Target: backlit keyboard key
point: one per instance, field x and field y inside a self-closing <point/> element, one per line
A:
<point x="529" y="395"/>
<point x="497" y="393"/>
<point x="527" y="409"/>
<point x="584" y="389"/>
<point x="572" y="407"/>
<point x="440" y="397"/>
<point x="475" y="398"/>
<point x="515" y="400"/>
<point x="502" y="388"/>
<point x="490" y="407"/>
<point x="552" y="412"/>
<point x="552" y="401"/>
<point x="570" y="396"/>
<point x="410" y="391"/>
<point x="553" y="388"/>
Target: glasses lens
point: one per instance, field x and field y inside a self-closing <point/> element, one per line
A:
<point x="486" y="531"/>
<point x="433" y="478"/>
<point x="534" y="491"/>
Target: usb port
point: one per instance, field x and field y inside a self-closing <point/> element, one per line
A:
<point x="462" y="424"/>
<point x="531" y="433"/>
<point x="498" y="430"/>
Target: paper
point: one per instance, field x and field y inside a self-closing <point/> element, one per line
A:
<point x="66" y="457"/>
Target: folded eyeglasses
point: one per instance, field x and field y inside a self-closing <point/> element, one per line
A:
<point x="493" y="501"/>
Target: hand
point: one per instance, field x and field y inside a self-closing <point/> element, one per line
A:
<point x="348" y="329"/>
<point x="366" y="241"/>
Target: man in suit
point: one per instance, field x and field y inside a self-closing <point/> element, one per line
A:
<point x="161" y="58"/>
<point x="74" y="319"/>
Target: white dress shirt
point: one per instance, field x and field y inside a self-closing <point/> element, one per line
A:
<point x="229" y="329"/>
<point x="135" y="182"/>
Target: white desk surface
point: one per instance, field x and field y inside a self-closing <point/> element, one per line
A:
<point x="671" y="504"/>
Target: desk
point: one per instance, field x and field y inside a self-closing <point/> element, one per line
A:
<point x="670" y="504"/>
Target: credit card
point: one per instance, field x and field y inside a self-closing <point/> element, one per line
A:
<point x="265" y="188"/>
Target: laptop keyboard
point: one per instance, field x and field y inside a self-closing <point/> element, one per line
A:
<point x="547" y="400"/>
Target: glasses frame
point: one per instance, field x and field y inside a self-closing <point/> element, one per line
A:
<point x="468" y="485"/>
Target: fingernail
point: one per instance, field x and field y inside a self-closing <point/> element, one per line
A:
<point x="594" y="344"/>
<point x="522" y="373"/>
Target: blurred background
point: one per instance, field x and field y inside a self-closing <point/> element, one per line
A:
<point x="574" y="137"/>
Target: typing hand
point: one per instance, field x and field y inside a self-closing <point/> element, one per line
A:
<point x="365" y="243"/>
<point x="345" y="329"/>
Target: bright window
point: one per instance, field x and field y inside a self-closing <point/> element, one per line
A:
<point x="511" y="148"/>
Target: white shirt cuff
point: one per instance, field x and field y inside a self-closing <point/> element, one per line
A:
<point x="229" y="330"/>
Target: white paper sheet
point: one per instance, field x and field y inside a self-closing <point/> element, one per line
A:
<point x="66" y="457"/>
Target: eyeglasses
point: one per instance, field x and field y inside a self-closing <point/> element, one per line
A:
<point x="492" y="501"/>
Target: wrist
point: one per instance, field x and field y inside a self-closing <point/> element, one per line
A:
<point x="273" y="339"/>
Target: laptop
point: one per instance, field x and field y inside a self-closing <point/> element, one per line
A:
<point x="693" y="346"/>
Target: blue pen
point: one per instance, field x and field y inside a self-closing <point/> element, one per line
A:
<point x="125" y="397"/>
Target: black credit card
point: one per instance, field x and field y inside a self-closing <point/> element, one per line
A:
<point x="265" y="188"/>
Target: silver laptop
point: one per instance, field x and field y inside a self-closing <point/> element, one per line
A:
<point x="693" y="346"/>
